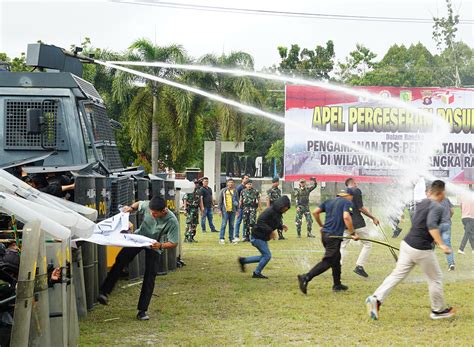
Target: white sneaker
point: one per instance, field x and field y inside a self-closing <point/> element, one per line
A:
<point x="222" y="242"/>
<point x="373" y="306"/>
<point x="460" y="252"/>
<point x="448" y="313"/>
<point x="235" y="240"/>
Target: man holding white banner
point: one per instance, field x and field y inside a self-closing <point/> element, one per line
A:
<point x="159" y="224"/>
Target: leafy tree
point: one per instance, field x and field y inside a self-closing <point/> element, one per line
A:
<point x="409" y="67"/>
<point x="316" y="64"/>
<point x="17" y="64"/>
<point x="444" y="34"/>
<point x="359" y="62"/>
<point x="276" y="152"/>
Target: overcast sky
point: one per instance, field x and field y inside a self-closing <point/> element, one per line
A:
<point x="115" y="25"/>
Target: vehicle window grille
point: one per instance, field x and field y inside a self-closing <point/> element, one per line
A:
<point x="100" y="123"/>
<point x="87" y="88"/>
<point x="111" y="156"/>
<point x="16" y="136"/>
<point x="104" y="136"/>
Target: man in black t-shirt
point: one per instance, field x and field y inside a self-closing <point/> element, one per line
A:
<point x="207" y="204"/>
<point x="359" y="227"/>
<point x="417" y="249"/>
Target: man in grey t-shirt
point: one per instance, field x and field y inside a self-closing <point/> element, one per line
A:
<point x="417" y="249"/>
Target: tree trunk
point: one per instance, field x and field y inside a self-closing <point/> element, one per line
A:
<point x="217" y="172"/>
<point x="154" y="136"/>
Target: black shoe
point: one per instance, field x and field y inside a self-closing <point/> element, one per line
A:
<point x="242" y="265"/>
<point x="339" y="288"/>
<point x="142" y="315"/>
<point x="214" y="231"/>
<point x="193" y="240"/>
<point x="360" y="271"/>
<point x="396" y="232"/>
<point x="281" y="237"/>
<point x="259" y="276"/>
<point x="103" y="299"/>
<point x="310" y="235"/>
<point x="303" y="283"/>
<point x="245" y="239"/>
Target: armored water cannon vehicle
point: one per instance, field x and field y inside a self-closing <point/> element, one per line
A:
<point x="51" y="117"/>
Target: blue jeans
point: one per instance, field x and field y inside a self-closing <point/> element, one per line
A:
<point x="263" y="259"/>
<point x="208" y="214"/>
<point x="227" y="217"/>
<point x="238" y="222"/>
<point x="445" y="230"/>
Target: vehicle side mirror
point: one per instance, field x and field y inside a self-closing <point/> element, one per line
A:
<point x="34" y="120"/>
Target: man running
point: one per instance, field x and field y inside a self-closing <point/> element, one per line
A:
<point x="269" y="221"/>
<point x="360" y="228"/>
<point x="338" y="218"/>
<point x="417" y="249"/>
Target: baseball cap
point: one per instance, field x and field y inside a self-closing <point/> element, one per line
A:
<point x="346" y="192"/>
<point x="249" y="181"/>
<point x="275" y="180"/>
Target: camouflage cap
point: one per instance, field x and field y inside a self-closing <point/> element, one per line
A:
<point x="275" y="179"/>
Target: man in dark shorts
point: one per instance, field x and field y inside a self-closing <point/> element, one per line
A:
<point x="417" y="249"/>
<point x="338" y="218"/>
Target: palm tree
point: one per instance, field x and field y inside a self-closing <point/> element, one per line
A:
<point x="230" y="121"/>
<point x="124" y="90"/>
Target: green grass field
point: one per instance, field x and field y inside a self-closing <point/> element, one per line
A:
<point x="210" y="302"/>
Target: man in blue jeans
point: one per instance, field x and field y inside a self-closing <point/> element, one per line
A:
<point x="228" y="204"/>
<point x="207" y="203"/>
<point x="264" y="230"/>
<point x="445" y="229"/>
<point x="240" y="213"/>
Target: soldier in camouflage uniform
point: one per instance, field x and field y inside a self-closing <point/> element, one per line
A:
<point x="273" y="194"/>
<point x="192" y="204"/>
<point x="302" y="206"/>
<point x="249" y="202"/>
